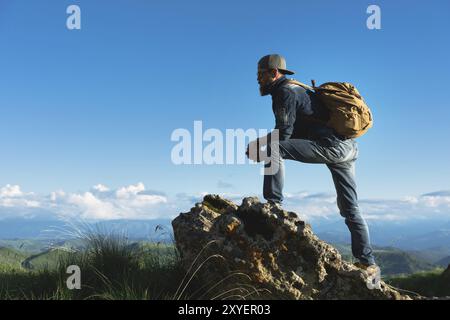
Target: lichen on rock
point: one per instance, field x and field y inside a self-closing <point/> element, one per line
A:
<point x="278" y="251"/>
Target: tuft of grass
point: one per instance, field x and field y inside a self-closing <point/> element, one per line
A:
<point x="113" y="268"/>
<point x="432" y="283"/>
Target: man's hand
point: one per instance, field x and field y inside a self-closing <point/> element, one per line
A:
<point x="253" y="150"/>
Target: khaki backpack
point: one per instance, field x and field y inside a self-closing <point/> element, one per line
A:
<point x="349" y="114"/>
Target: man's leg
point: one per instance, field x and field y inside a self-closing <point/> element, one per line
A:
<point x="347" y="201"/>
<point x="293" y="149"/>
<point x="340" y="159"/>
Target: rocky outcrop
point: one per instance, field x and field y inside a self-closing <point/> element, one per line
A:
<point x="273" y="247"/>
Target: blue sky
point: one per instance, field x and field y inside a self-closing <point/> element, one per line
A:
<point x="98" y="105"/>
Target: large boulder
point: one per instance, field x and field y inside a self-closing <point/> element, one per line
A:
<point x="276" y="250"/>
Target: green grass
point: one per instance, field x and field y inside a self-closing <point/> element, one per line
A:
<point x="111" y="268"/>
<point x="435" y="283"/>
<point x="10" y="259"/>
<point x="26" y="245"/>
<point x="392" y="261"/>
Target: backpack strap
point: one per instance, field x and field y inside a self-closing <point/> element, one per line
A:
<point x="313" y="88"/>
<point x="311" y="118"/>
<point x="298" y="83"/>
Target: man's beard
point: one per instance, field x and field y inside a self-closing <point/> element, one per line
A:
<point x="264" y="89"/>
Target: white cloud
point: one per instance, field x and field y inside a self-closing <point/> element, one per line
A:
<point x="434" y="205"/>
<point x="224" y="185"/>
<point x="11" y="196"/>
<point x="436" y="201"/>
<point x="130" y="191"/>
<point x="129" y="202"/>
<point x="17" y="202"/>
<point x="311" y="206"/>
<point x="10" y="191"/>
<point x="100" y="188"/>
<point x="137" y="202"/>
<point x="90" y="206"/>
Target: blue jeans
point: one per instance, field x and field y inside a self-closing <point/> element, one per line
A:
<point x="340" y="157"/>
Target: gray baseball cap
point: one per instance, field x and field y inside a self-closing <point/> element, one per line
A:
<point x="274" y="61"/>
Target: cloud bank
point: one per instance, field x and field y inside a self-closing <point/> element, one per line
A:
<point x="98" y="203"/>
<point x="137" y="202"/>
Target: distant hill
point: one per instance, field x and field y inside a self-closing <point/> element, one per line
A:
<point x="435" y="283"/>
<point x="20" y="228"/>
<point x="49" y="258"/>
<point x="435" y="238"/>
<point x="392" y="261"/>
<point x="414" y="235"/>
<point x="39" y="254"/>
<point x="29" y="246"/>
<point x="45" y="260"/>
<point x="422" y="236"/>
<point x="11" y="229"/>
<point x="444" y="262"/>
<point x="432" y="255"/>
<point x="395" y="261"/>
<point x="10" y="259"/>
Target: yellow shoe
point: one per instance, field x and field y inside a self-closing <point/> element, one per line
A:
<point x="373" y="273"/>
<point x="370" y="268"/>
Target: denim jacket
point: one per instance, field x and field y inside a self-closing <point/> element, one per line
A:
<point x="291" y="105"/>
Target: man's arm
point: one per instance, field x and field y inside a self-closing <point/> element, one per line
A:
<point x="284" y="108"/>
<point x="285" y="111"/>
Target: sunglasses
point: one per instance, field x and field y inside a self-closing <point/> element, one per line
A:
<point x="262" y="71"/>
